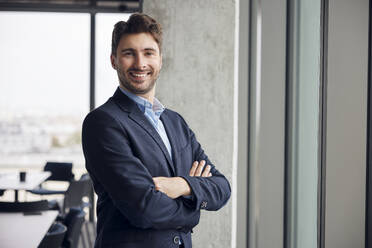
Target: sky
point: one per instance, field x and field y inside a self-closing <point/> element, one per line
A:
<point x="44" y="61"/>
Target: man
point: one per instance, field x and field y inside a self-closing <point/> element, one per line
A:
<point x="151" y="175"/>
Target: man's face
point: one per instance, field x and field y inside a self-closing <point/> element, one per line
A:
<point x="138" y="62"/>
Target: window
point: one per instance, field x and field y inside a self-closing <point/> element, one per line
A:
<point x="44" y="87"/>
<point x="106" y="78"/>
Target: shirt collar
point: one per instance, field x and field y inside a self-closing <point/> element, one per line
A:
<point x="144" y="104"/>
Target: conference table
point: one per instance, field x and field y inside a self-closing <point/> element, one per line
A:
<point x="11" y="181"/>
<point x="25" y="231"/>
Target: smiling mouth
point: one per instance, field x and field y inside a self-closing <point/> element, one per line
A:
<point x="139" y="75"/>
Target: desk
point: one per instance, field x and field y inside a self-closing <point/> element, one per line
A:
<point x="10" y="180"/>
<point x="24" y="231"/>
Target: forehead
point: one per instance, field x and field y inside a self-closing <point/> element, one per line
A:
<point x="138" y="41"/>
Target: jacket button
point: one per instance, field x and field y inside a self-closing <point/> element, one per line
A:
<point x="203" y="204"/>
<point x="176" y="239"/>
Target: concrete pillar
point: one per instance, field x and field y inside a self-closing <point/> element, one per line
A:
<point x="197" y="80"/>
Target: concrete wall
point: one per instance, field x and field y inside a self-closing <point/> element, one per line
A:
<point x="197" y="80"/>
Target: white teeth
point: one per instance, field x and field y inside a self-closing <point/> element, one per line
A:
<point x="139" y="75"/>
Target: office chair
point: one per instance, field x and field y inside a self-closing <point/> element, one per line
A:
<point x="60" y="172"/>
<point x="73" y="197"/>
<point x="73" y="220"/>
<point x="54" y="237"/>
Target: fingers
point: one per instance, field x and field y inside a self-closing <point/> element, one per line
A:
<point x="206" y="171"/>
<point x="198" y="169"/>
<point x="156" y="182"/>
<point x="193" y="168"/>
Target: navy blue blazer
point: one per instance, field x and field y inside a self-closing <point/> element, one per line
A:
<point x="123" y="152"/>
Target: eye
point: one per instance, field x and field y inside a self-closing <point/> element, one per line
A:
<point x="128" y="53"/>
<point x="149" y="53"/>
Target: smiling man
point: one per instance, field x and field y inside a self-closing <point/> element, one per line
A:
<point x="150" y="173"/>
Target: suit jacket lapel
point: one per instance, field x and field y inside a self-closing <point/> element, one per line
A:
<point x="172" y="137"/>
<point x="146" y="125"/>
<point x="136" y="115"/>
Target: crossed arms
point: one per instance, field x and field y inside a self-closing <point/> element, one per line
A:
<point x="175" y="187"/>
<point x="145" y="201"/>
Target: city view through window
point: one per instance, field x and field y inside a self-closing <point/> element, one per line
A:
<point x="44" y="84"/>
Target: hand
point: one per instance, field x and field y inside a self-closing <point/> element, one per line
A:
<point x="173" y="187"/>
<point x="197" y="169"/>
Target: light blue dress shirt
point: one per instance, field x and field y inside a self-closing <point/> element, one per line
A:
<point x="152" y="113"/>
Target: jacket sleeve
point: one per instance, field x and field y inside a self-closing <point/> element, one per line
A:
<point x="209" y="193"/>
<point x="125" y="178"/>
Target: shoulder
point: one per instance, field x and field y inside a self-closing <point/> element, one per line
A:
<point x="174" y="120"/>
<point x="107" y="112"/>
<point x="174" y="116"/>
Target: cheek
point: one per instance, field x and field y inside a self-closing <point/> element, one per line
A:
<point x="157" y="65"/>
<point x="125" y="63"/>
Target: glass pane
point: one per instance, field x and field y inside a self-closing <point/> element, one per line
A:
<point x="304" y="129"/>
<point x="106" y="78"/>
<point x="44" y="87"/>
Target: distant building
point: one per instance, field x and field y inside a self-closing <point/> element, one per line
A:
<point x="16" y="137"/>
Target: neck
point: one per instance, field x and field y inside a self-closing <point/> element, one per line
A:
<point x="149" y="96"/>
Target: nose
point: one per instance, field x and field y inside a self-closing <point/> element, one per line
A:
<point x="140" y="62"/>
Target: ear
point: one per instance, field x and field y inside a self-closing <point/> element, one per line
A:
<point x="113" y="61"/>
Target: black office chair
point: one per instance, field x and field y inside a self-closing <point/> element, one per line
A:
<point x="89" y="228"/>
<point x="73" y="221"/>
<point x="60" y="172"/>
<point x="73" y="196"/>
<point x="87" y="192"/>
<point x="34" y="206"/>
<point x="54" y="237"/>
<point x="73" y="199"/>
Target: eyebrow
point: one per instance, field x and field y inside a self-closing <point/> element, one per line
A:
<point x="150" y="49"/>
<point x="127" y="50"/>
<point x="133" y="50"/>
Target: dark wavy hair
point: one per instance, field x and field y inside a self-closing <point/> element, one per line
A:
<point x="137" y="23"/>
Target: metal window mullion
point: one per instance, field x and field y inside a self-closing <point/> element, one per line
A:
<point x="254" y="119"/>
<point x="74" y="8"/>
<point x="368" y="238"/>
<point x="92" y="93"/>
<point x="266" y="123"/>
<point x="291" y="123"/>
<point x="322" y="123"/>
